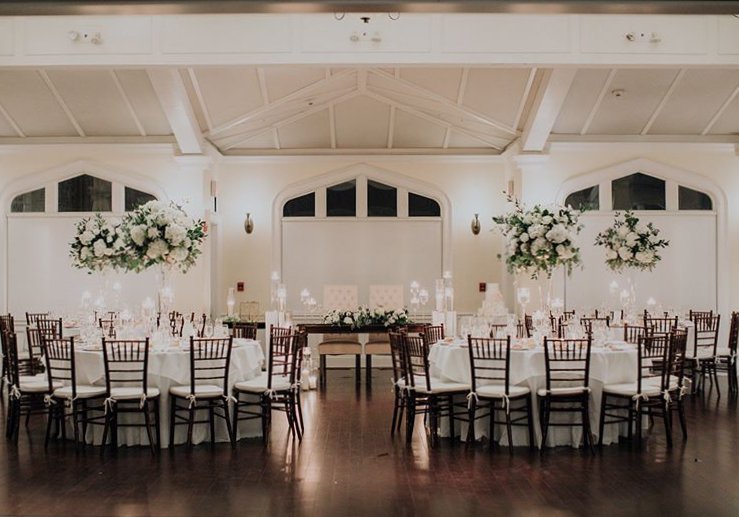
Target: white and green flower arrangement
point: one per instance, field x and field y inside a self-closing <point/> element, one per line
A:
<point x="630" y="243"/>
<point x="363" y="317"/>
<point x="155" y="233"/>
<point x="540" y="239"/>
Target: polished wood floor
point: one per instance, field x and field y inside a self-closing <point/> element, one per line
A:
<point x="348" y="465"/>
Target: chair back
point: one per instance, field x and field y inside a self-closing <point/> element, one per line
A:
<point x="199" y="324"/>
<point x="244" y="330"/>
<point x="385" y="296"/>
<point x="653" y="357"/>
<point x="490" y="361"/>
<point x="35" y="350"/>
<point x="249" y="311"/>
<point x="282" y="357"/>
<point x="60" y="364"/>
<point x="33" y="317"/>
<point x="14" y="369"/>
<point x="107" y="325"/>
<point x="416" y="357"/>
<point x="529" y="324"/>
<point x="434" y="333"/>
<point x="676" y="362"/>
<point x="567" y="363"/>
<point x="734" y="333"/>
<point x="660" y="325"/>
<point x="632" y="333"/>
<point x="210" y="360"/>
<point x="705" y="339"/>
<point x="396" y="354"/>
<point x="7" y="323"/>
<point x="699" y="314"/>
<point x="340" y="297"/>
<point x="279" y="331"/>
<point x="176" y="324"/>
<point x="50" y="327"/>
<point x="126" y="363"/>
<point x="590" y="322"/>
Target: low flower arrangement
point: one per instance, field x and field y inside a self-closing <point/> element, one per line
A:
<point x="363" y="317"/>
<point x="98" y="244"/>
<point x="540" y="239"/>
<point x="629" y="243"/>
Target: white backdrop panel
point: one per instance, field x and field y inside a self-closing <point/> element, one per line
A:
<point x="685" y="278"/>
<point x="41" y="276"/>
<point x="361" y="252"/>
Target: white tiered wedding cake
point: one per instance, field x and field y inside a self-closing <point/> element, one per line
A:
<point x="493" y="306"/>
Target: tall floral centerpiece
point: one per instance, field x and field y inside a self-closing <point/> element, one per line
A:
<point x="540" y="239"/>
<point x="631" y="245"/>
<point x="162" y="234"/>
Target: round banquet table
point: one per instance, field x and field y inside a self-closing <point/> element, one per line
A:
<point x="610" y="364"/>
<point x="171" y="367"/>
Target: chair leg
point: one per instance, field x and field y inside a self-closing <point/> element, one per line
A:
<point x="410" y="408"/>
<point x="368" y="370"/>
<point x="235" y="415"/>
<point x="396" y="410"/>
<point x="299" y="408"/>
<point x="544" y="421"/>
<point x="114" y="427"/>
<point x="602" y="419"/>
<point x="75" y="418"/>
<point x="681" y="415"/>
<point x="49" y="422"/>
<point x="714" y="371"/>
<point x="434" y="420"/>
<point x="322" y="367"/>
<point x="229" y="427"/>
<point x="509" y="430"/>
<point x="530" y="421"/>
<point x="147" y="422"/>
<point x="266" y="404"/>
<point x="587" y="433"/>
<point x="172" y="411"/>
<point x="157" y="425"/>
<point x="471" y="410"/>
<point x="212" y="422"/>
<point x="190" y="423"/>
<point x="637" y="424"/>
<point x="357" y="370"/>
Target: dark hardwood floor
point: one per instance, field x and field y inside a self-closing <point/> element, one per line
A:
<point x="348" y="465"/>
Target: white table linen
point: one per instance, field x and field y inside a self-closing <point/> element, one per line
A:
<point x="167" y="368"/>
<point x="616" y="364"/>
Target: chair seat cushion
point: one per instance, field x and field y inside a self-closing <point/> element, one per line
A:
<point x="439" y="386"/>
<point x="202" y="391"/>
<point x="657" y="382"/>
<point x="131" y="393"/>
<point x="377" y="348"/>
<point x="36" y="384"/>
<point x="84" y="391"/>
<point x="340" y="348"/>
<point x="496" y="391"/>
<point x="562" y="392"/>
<point x="629" y="389"/>
<point x="259" y="384"/>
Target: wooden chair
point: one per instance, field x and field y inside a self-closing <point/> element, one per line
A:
<point x="51" y="328"/>
<point x="276" y="389"/>
<point x="107" y="325"/>
<point x="340" y="297"/>
<point x="676" y="370"/>
<point x="426" y="393"/>
<point x="645" y="396"/>
<point x="81" y="399"/>
<point x="528" y="320"/>
<point x="663" y="325"/>
<point x="726" y="358"/>
<point x="33" y="317"/>
<point x="27" y="390"/>
<point x="567" y="390"/>
<point x="633" y="333"/>
<point x="701" y="359"/>
<point x="588" y="323"/>
<point x="434" y="333"/>
<point x="244" y="330"/>
<point x="210" y="359"/>
<point x="126" y="371"/>
<point x="7" y="324"/>
<point x="491" y="389"/>
<point x="396" y="351"/>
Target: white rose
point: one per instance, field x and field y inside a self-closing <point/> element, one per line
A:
<point x="348" y="320"/>
<point x="179" y="254"/>
<point x="175" y="234"/>
<point x="565" y="252"/>
<point x="524" y="237"/>
<point x="624" y="253"/>
<point x="557" y="234"/>
<point x="622" y="231"/>
<point x="157" y="249"/>
<point x="138" y="234"/>
<point x="85" y="253"/>
<point x="631" y="238"/>
<point x="87" y="237"/>
<point x="546" y="220"/>
<point x="152" y="233"/>
<point x="536" y="230"/>
<point x="654" y="239"/>
<point x="99" y="248"/>
<point x="611" y="254"/>
<point x="645" y="257"/>
<point x="641" y="228"/>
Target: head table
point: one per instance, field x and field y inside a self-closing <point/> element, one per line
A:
<point x="611" y="362"/>
<point x="171" y="367"/>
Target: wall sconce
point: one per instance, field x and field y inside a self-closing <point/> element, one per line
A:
<point x="248" y="224"/>
<point x="475" y="226"/>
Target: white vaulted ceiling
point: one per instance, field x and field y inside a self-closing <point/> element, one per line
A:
<point x="271" y="109"/>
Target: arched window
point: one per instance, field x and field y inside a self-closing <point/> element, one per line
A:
<point x="586" y="199"/>
<point x="638" y="192"/>
<point x="302" y="206"/>
<point x="422" y="206"/>
<point x="689" y="199"/>
<point x="34" y="201"/>
<point x="136" y="198"/>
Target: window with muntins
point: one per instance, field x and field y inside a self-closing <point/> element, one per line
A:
<point x="34" y="201"/>
<point x="85" y="193"/>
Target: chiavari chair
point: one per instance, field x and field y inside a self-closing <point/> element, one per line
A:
<point x="210" y="359"/>
<point x="726" y="358"/>
<point x="107" y="325"/>
<point x="51" y="328"/>
<point x="491" y="389"/>
<point x="27" y="391"/>
<point x="699" y="314"/>
<point x="81" y="399"/>
<point x="676" y="381"/>
<point x="567" y="390"/>
<point x="529" y="324"/>
<point x="244" y="330"/>
<point x="276" y="389"/>
<point x="35" y="351"/>
<point x="425" y="393"/>
<point x="646" y="395"/>
<point x="396" y="355"/>
<point x="434" y="333"/>
<point x="589" y="322"/>
<point x="33" y="317"/>
<point x="126" y="371"/>
<point x="632" y="333"/>
<point x="701" y="356"/>
<point x="7" y="324"/>
<point x="663" y="325"/>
